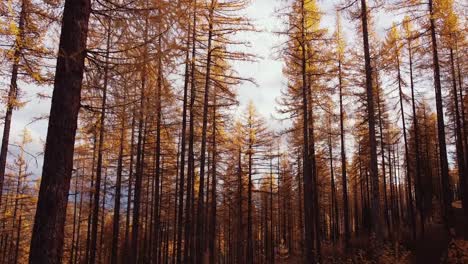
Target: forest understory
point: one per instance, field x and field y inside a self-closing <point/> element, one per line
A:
<point x="156" y="145"/>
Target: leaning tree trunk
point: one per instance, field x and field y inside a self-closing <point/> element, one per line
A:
<point x="48" y="232"/>
<point x="12" y="96"/>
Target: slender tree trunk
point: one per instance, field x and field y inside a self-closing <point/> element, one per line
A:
<point x="180" y="215"/>
<point x="407" y="158"/>
<point x="462" y="173"/>
<point x="375" y="212"/>
<point x="101" y="252"/>
<point x="382" y="148"/>
<point x="307" y="175"/>
<point x="140" y="152"/>
<point x="250" y="253"/>
<point x="200" y="250"/>
<point x="18" y="235"/>
<point x="102" y="132"/>
<point x="75" y="205"/>
<point x="138" y="177"/>
<point x="313" y="164"/>
<point x="212" y="231"/>
<point x="118" y="188"/>
<point x="158" y="151"/>
<point x="240" y="233"/>
<point x="126" y="254"/>
<point x="419" y="189"/>
<point x="48" y="232"/>
<point x="334" y="206"/>
<point x="12" y="96"/>
<point x="446" y="189"/>
<point x="78" y="231"/>
<point x="188" y="253"/>
<point x="90" y="202"/>
<point x="343" y="160"/>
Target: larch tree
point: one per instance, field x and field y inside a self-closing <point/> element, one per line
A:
<point x="47" y="239"/>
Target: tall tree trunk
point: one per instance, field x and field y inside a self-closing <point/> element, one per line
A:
<point x="102" y="132"/>
<point x="158" y="151"/>
<point x="101" y="252"/>
<point x="78" y="231"/>
<point x="126" y="254"/>
<point x="118" y="189"/>
<point x="446" y="189"/>
<point x="334" y="203"/>
<point x="212" y="231"/>
<point x="250" y="253"/>
<point x="462" y="173"/>
<point x="419" y="189"/>
<point x="48" y="232"/>
<point x="314" y="172"/>
<point x="240" y="233"/>
<point x="307" y="170"/>
<point x="343" y="160"/>
<point x="75" y="208"/>
<point x="12" y="96"/>
<point x="374" y="174"/>
<point x="200" y="250"/>
<point x="90" y="201"/>
<point x="407" y="158"/>
<point x="138" y="176"/>
<point x="382" y="149"/>
<point x="180" y="215"/>
<point x="140" y="151"/>
<point x="188" y="252"/>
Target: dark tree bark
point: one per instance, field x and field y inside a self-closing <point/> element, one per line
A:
<point x="134" y="256"/>
<point x="48" y="232"/>
<point x="90" y="205"/>
<point x="191" y="159"/>
<point x="307" y="175"/>
<point x="126" y="250"/>
<point x="102" y="120"/>
<point x="374" y="174"/>
<point x="118" y="190"/>
<point x="156" y="197"/>
<point x="180" y="215"/>
<point x="419" y="189"/>
<point x="462" y="173"/>
<point x="12" y="96"/>
<point x="446" y="189"/>
<point x="212" y="231"/>
<point x="382" y="149"/>
<point x="343" y="159"/>
<point x="240" y="233"/>
<point x="200" y="250"/>
<point x="250" y="253"/>
<point x="407" y="158"/>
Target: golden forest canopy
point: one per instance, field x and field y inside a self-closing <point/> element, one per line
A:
<point x="159" y="146"/>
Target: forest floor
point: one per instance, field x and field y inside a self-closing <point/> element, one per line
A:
<point x="432" y="248"/>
